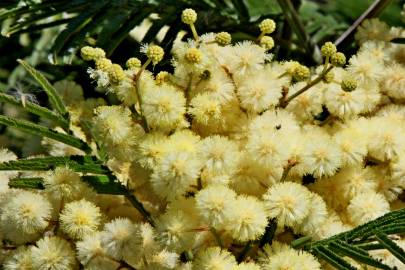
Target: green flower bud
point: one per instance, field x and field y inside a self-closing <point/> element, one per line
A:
<point x="267" y="42"/>
<point x="193" y="55"/>
<point x="348" y="84"/>
<point x="188" y="16"/>
<point x="155" y="53"/>
<point x="300" y="73"/>
<point x="116" y="74"/>
<point x="89" y="53"/>
<point x="162" y="77"/>
<point x="328" y="78"/>
<point x="103" y="64"/>
<point x="338" y="59"/>
<point x="267" y="26"/>
<point x="133" y="62"/>
<point x="328" y="49"/>
<point x="223" y="38"/>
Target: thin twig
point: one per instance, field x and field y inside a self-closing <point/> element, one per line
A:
<point x="136" y="80"/>
<point x="286" y="170"/>
<point x="306" y="87"/>
<point x="139" y="206"/>
<point x="244" y="252"/>
<point x="217" y="237"/>
<point x="372" y="11"/>
<point x="296" y="24"/>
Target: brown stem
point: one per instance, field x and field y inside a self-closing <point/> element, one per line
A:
<point x="306" y="87"/>
<point x="136" y="79"/>
<point x="372" y="11"/>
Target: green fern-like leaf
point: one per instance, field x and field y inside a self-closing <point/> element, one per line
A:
<point x="55" y="99"/>
<point x="358" y="242"/>
<point x="36" y="109"/>
<point x="83" y="164"/>
<point x="42" y="131"/>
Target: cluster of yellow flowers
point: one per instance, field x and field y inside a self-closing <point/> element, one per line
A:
<point x="215" y="150"/>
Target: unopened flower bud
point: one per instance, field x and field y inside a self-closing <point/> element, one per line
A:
<point x="193" y="55"/>
<point x="133" y="62"/>
<point x="328" y="77"/>
<point x="162" y="77"/>
<point x="155" y="53"/>
<point x="348" y="84"/>
<point x="116" y="73"/>
<point x="267" y="26"/>
<point x="223" y="38"/>
<point x="301" y="73"/>
<point x="89" y="53"/>
<point x="188" y="16"/>
<point x="267" y="42"/>
<point x="103" y="64"/>
<point x="338" y="59"/>
<point x="328" y="49"/>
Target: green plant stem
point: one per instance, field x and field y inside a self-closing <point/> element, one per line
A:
<point x="286" y="170"/>
<point x="136" y="80"/>
<point x="194" y="31"/>
<point x="297" y="243"/>
<point x="306" y="87"/>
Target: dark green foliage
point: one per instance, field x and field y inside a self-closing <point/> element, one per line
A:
<point x="109" y="22"/>
<point x="356" y="243"/>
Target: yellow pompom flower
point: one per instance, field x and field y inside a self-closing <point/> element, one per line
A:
<point x="289" y="202"/>
<point x="79" y="218"/>
<point x="246" y="219"/>
<point x="214" y="258"/>
<point x="53" y="253"/>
